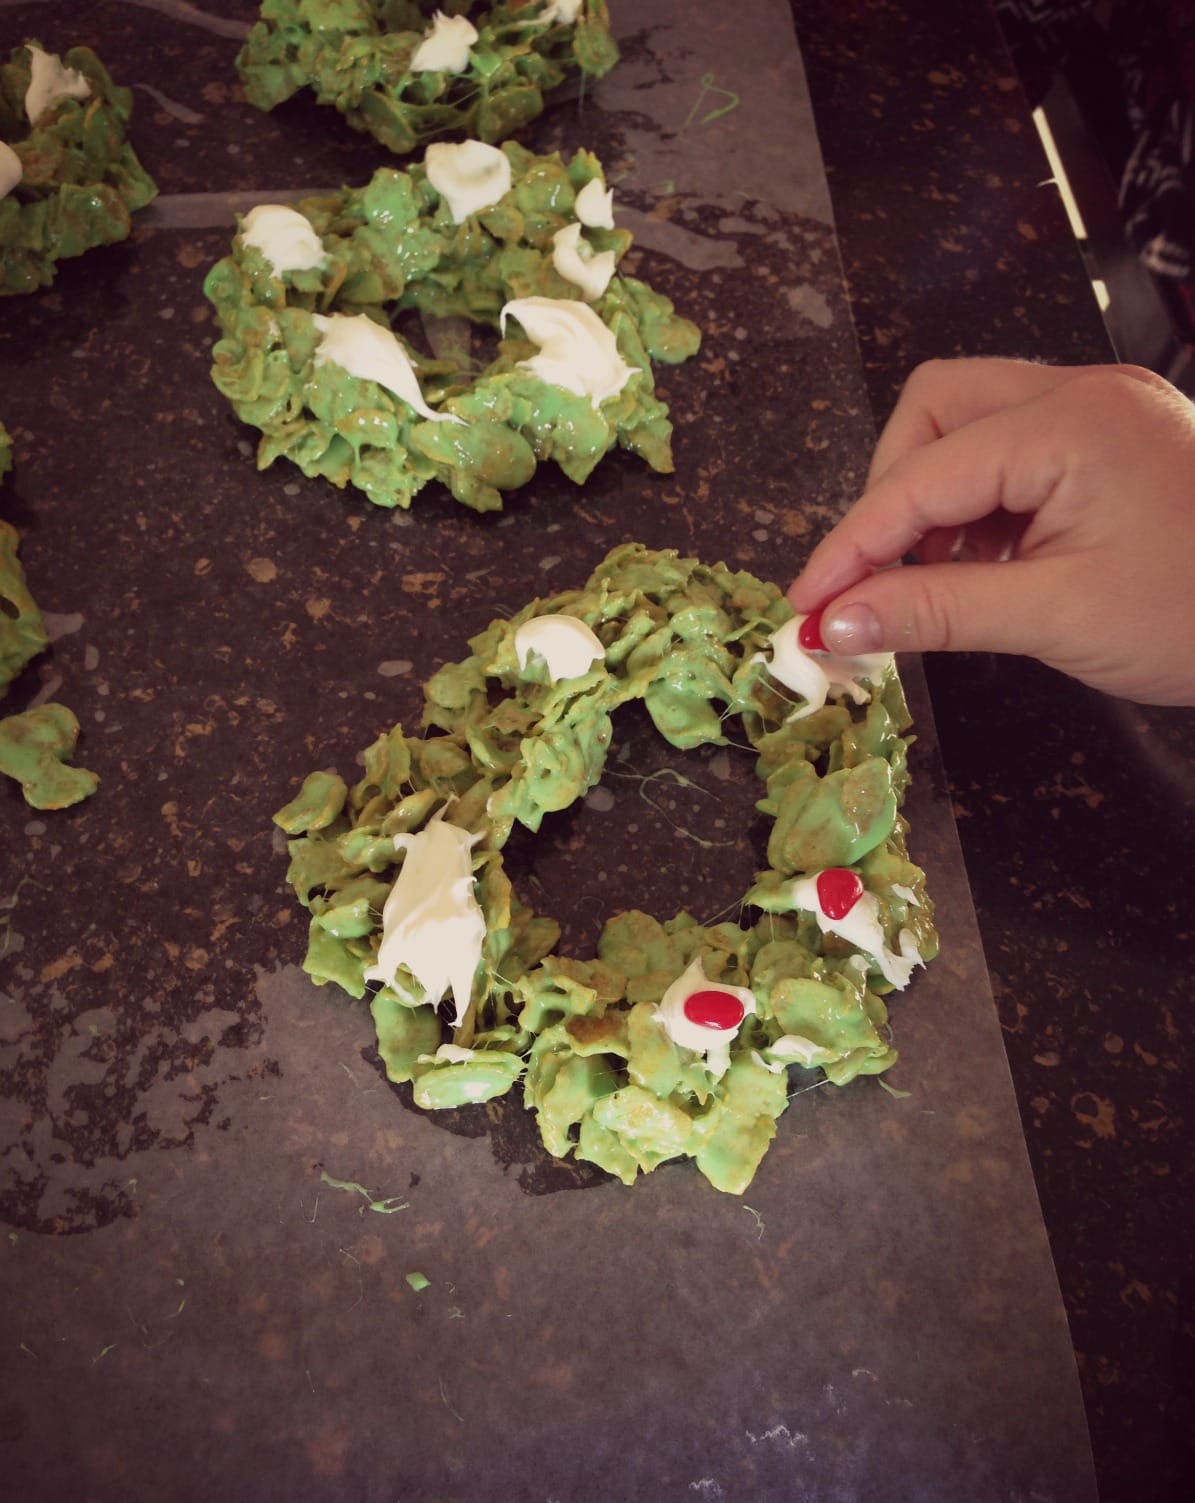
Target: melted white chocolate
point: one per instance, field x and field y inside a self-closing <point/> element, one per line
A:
<point x="11" y="171"/>
<point x="50" y="81"/>
<point x="594" y="205"/>
<point x="713" y="1043"/>
<point x="445" y="47"/>
<point x="577" y="351"/>
<point x="559" y="12"/>
<point x="860" y="926"/>
<point x="567" y="646"/>
<point x="590" y="272"/>
<point x="284" y="237"/>
<point x="468" y="175"/>
<point x="371" y="353"/>
<point x="813" y="675"/>
<point x="432" y="923"/>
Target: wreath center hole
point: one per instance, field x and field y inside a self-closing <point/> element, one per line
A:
<point x="664" y="831"/>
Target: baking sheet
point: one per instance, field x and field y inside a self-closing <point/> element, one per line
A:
<point x="189" y="1307"/>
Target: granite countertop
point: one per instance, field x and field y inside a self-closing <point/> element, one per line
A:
<point x="176" y="1088"/>
<point x="1076" y="813"/>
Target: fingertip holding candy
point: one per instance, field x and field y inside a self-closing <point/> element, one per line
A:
<point x="851" y="631"/>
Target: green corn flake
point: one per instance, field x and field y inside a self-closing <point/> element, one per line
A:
<point x="34" y="748"/>
<point x="318" y="803"/>
<point x="418" y="1281"/>
<point x="604" y="1079"/>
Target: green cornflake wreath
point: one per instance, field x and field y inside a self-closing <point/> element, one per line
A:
<point x="34" y="745"/>
<point x="81" y="180"/>
<point x="356" y="55"/>
<point x="391" y="247"/>
<point x="504" y="745"/>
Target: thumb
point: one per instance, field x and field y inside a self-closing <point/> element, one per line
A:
<point x="954" y="607"/>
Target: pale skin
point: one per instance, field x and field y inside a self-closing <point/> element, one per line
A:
<point x="1052" y="513"/>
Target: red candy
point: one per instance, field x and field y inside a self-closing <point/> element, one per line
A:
<point x="711" y="1009"/>
<point x="809" y="633"/>
<point x="838" y="890"/>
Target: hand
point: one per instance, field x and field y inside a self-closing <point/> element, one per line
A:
<point x="1052" y="510"/>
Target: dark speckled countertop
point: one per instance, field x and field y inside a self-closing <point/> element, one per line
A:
<point x="214" y="1319"/>
<point x="1076" y="813"/>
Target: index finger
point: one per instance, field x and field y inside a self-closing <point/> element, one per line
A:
<point x="1012" y="459"/>
<point x="942" y="396"/>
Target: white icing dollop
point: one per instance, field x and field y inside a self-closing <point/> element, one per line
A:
<point x="432" y="923"/>
<point x="814" y="674"/>
<point x="50" y="81"/>
<point x="371" y="353"/>
<point x="445" y="47"/>
<point x="594" y="205"/>
<point x="566" y="645"/>
<point x="714" y="1043"/>
<point x="11" y="171"/>
<point x="284" y="237"/>
<point x="562" y="12"/>
<point x="469" y="175"/>
<point x="860" y="926"/>
<point x="577" y="351"/>
<point x="591" y="272"/>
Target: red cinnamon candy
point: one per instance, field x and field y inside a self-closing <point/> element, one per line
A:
<point x="714" y="1009"/>
<point x="838" y="890"/>
<point x="809" y="633"/>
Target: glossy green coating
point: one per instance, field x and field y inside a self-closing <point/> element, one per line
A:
<point x="81" y="180"/>
<point x="34" y="748"/>
<point x="505" y="746"/>
<point x="35" y="745"/>
<point x="356" y="55"/>
<point x="393" y="252"/>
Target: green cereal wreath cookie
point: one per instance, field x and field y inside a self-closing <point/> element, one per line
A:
<point x="35" y="745"/>
<point x="676" y="1039"/>
<point x="410" y="72"/>
<point x="69" y="180"/>
<point x="522" y="244"/>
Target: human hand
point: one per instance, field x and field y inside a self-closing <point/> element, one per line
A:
<point x="1052" y="511"/>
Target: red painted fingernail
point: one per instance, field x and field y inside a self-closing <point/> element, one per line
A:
<point x="809" y="633"/>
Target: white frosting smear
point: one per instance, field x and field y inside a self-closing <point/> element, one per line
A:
<point x="371" y="353"/>
<point x="445" y="47"/>
<point x="284" y="237"/>
<point x="50" y="81"/>
<point x="594" y="205"/>
<point x="590" y="272"/>
<point x="469" y="176"/>
<point x="566" y="645"/>
<point x="432" y="922"/>
<point x="860" y="926"/>
<point x="562" y="12"/>
<point x="813" y="675"/>
<point x="714" y="1043"/>
<point x="577" y="351"/>
<point x="11" y="171"/>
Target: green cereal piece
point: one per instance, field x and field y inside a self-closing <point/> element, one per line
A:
<point x="460" y="1083"/>
<point x="504" y="746"/>
<point x="34" y="748"/>
<point x="392" y="248"/>
<point x="318" y="803"/>
<point x="356" y="56"/>
<point x="22" y="631"/>
<point x="418" y="1281"/>
<point x="81" y="180"/>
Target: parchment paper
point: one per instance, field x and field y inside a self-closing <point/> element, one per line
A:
<point x="190" y="1309"/>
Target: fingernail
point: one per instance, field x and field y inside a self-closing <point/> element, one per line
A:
<point x="852" y="630"/>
